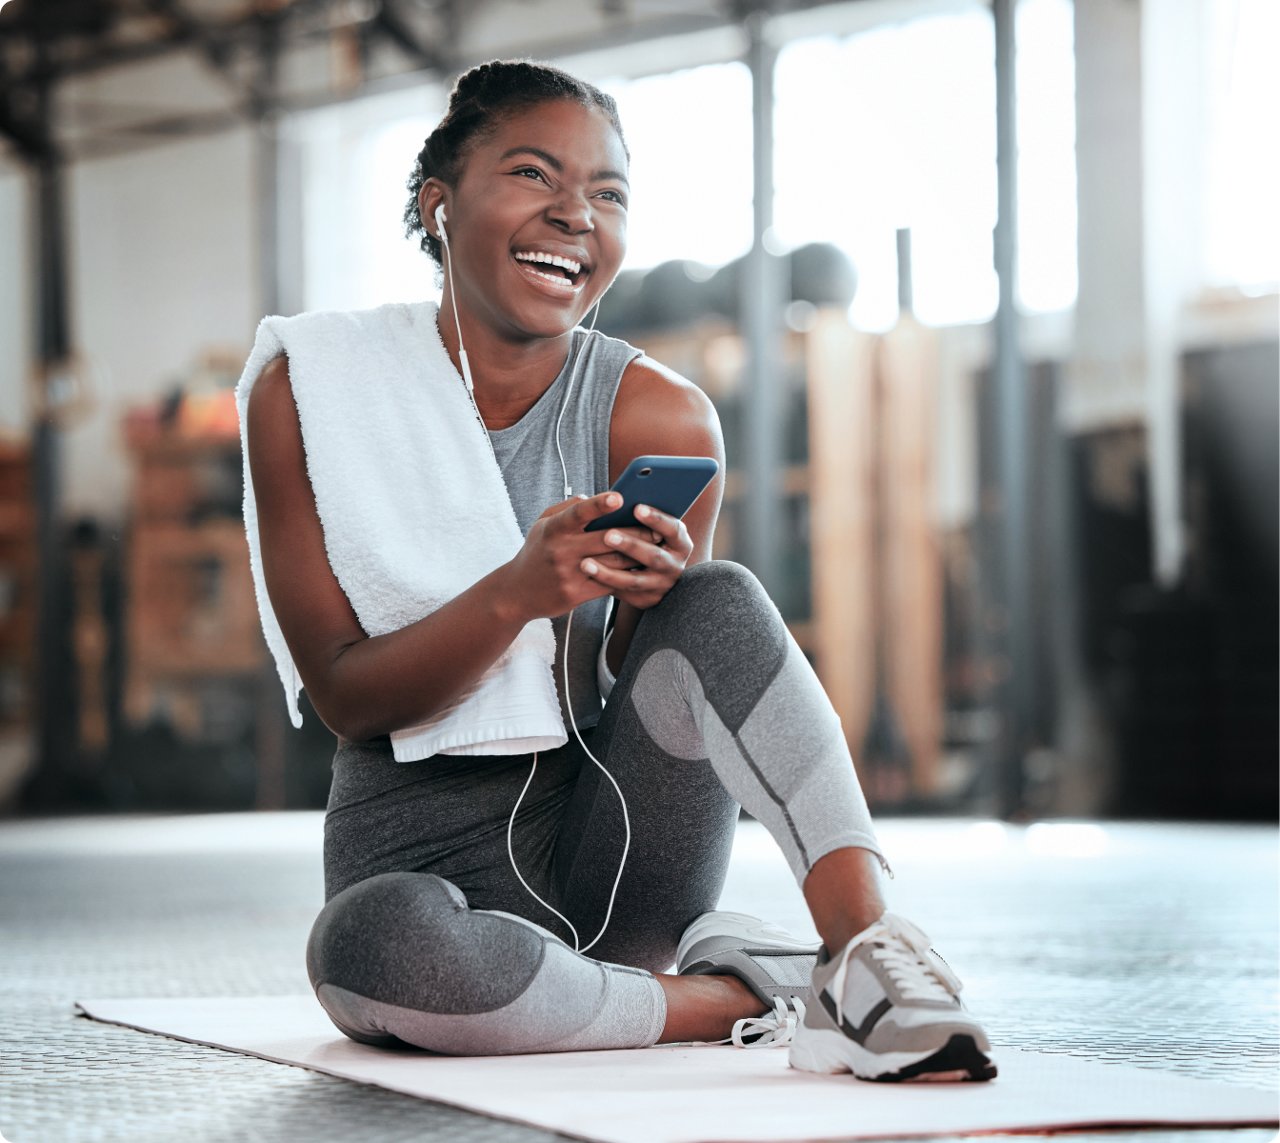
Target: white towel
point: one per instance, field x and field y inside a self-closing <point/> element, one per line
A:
<point x="413" y="505"/>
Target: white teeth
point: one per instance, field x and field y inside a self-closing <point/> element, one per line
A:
<point x="554" y="279"/>
<point x="550" y="260"/>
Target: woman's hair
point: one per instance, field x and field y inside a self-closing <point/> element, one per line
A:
<point x="479" y="101"/>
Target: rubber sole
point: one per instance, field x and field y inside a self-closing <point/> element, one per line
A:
<point x="831" y="1052"/>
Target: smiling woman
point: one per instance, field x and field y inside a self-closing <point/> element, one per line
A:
<point x="419" y="553"/>
<point x="543" y="194"/>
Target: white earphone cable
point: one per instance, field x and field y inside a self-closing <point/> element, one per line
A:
<point x="564" y="468"/>
<point x="568" y="631"/>
<point x="568" y="628"/>
<point x="626" y="818"/>
<point x="453" y="298"/>
<point x="512" y="856"/>
<point x="626" y="821"/>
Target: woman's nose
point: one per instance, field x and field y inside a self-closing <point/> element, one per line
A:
<point x="572" y="213"/>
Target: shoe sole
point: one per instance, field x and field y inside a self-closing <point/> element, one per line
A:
<point x="829" y="1052"/>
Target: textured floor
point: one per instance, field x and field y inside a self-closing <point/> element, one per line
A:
<point x="1151" y="945"/>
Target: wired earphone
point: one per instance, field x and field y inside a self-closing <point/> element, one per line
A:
<point x="568" y="492"/>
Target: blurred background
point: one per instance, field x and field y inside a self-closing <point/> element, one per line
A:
<point x="986" y="297"/>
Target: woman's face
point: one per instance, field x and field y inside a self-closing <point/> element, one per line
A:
<point x="537" y="221"/>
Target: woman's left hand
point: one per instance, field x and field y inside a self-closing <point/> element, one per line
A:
<point x="658" y="551"/>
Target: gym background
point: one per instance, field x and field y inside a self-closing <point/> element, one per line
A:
<point x="986" y="297"/>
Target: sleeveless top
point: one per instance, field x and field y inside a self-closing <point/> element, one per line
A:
<point x="584" y="392"/>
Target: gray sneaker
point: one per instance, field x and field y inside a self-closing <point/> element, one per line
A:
<point x="887" y="1008"/>
<point x="772" y="962"/>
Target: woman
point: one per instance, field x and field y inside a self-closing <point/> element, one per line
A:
<point x="376" y="522"/>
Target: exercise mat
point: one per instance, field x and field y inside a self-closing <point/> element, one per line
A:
<point x="703" y="1094"/>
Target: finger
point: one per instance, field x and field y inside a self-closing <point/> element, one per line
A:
<point x="638" y="581"/>
<point x="619" y="561"/>
<point x="580" y="513"/>
<point x="554" y="508"/>
<point x="670" y="528"/>
<point x="643" y="550"/>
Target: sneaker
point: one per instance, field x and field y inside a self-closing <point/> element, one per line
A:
<point x="887" y="1008"/>
<point x="772" y="962"/>
<point x="774" y="1029"/>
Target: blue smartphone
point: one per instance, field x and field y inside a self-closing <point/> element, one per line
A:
<point x="668" y="483"/>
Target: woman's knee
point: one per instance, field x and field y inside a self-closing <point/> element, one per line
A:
<point x="400" y="956"/>
<point x="720" y="617"/>
<point x="410" y="939"/>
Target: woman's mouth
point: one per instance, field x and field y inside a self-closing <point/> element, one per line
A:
<point x="563" y="274"/>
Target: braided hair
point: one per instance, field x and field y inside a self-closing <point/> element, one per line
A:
<point x="478" y="102"/>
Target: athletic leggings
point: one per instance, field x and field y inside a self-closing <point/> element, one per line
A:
<point x="429" y="939"/>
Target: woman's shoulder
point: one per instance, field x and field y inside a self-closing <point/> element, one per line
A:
<point x="647" y="381"/>
<point x="660" y="411"/>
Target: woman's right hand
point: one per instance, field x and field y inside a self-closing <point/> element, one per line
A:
<point x="546" y="574"/>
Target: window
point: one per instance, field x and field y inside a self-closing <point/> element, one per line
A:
<point x="1242" y="171"/>
<point x="689" y="134"/>
<point x="355" y="162"/>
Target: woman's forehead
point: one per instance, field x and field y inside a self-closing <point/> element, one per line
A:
<point x="569" y="132"/>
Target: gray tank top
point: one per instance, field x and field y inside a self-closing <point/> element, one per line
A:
<point x="530" y="465"/>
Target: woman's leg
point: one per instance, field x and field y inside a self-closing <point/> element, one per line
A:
<point x="713" y="682"/>
<point x="425" y="938"/>
<point x="715" y="706"/>
<point x="402" y="958"/>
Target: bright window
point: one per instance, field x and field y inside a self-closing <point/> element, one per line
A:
<point x="889" y="128"/>
<point x="356" y="160"/>
<point x="896" y="128"/>
<point x="1242" y="232"/>
<point x="689" y="134"/>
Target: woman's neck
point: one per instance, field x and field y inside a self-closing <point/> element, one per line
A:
<point x="509" y="375"/>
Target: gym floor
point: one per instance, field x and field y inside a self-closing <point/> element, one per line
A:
<point x="1154" y="945"/>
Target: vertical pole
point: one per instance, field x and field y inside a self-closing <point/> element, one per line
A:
<point x="53" y="347"/>
<point x="269" y="745"/>
<point x="762" y="303"/>
<point x="1013" y="600"/>
<point x="268" y="151"/>
<point x="266" y="121"/>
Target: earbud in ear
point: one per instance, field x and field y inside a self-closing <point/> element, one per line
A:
<point x="444" y="237"/>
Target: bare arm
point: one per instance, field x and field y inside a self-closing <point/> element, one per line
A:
<point x="659" y="412"/>
<point x="363" y="687"/>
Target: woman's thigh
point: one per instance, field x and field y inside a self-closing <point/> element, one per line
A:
<point x="448" y="816"/>
<point x="682" y="820"/>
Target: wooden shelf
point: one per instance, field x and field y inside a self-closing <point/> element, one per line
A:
<point x="191" y="613"/>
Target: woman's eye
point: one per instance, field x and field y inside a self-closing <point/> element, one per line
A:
<point x="614" y="196"/>
<point x="529" y="173"/>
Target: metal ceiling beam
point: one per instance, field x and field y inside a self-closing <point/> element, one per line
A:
<point x="303" y="22"/>
<point x="227" y="36"/>
<point x="32" y="143"/>
<point x="212" y="47"/>
<point x="392" y="26"/>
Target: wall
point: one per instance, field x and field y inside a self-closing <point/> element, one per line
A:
<point x="164" y="266"/>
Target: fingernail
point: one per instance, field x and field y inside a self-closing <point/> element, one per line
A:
<point x="612" y="538"/>
<point x="642" y="511"/>
<point x="589" y="566"/>
<point x="614" y="499"/>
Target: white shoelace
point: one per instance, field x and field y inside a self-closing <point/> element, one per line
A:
<point x="903" y="950"/>
<point x="773" y="1029"/>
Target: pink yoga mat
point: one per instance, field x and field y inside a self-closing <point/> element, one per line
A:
<point x="704" y="1094"/>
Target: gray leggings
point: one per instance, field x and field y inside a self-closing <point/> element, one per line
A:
<point x="429" y="939"/>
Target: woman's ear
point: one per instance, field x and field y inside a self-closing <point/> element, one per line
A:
<point x="430" y="198"/>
